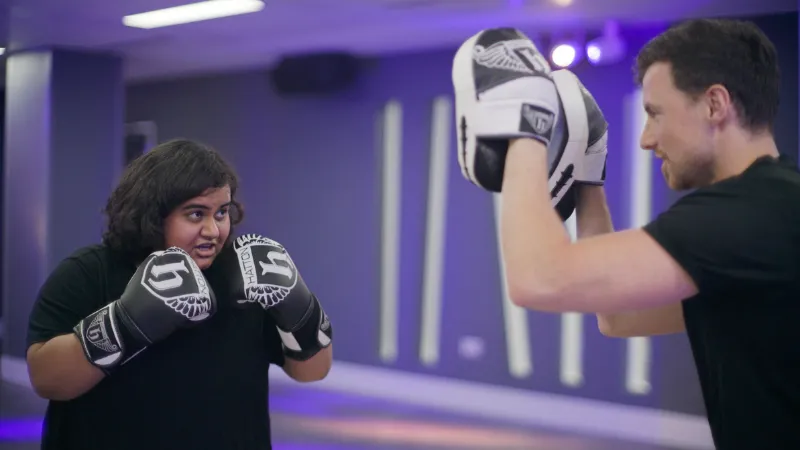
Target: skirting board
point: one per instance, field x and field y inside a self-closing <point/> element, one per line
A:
<point x="519" y="406"/>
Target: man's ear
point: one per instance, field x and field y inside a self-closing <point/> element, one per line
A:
<point x="719" y="104"/>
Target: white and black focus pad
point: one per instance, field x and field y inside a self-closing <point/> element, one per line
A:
<point x="574" y="140"/>
<point x="504" y="90"/>
<point x="592" y="164"/>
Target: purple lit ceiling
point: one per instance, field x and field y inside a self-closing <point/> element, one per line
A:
<point x="362" y="26"/>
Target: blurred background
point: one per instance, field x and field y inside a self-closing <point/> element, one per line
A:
<point x="338" y="116"/>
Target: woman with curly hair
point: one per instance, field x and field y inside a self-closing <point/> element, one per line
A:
<point x="161" y="336"/>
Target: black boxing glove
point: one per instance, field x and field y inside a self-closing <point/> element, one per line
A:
<point x="265" y="274"/>
<point x="167" y="292"/>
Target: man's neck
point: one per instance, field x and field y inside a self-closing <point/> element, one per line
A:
<point x="741" y="150"/>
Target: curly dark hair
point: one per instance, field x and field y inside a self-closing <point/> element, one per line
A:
<point x="156" y="183"/>
<point x="733" y="53"/>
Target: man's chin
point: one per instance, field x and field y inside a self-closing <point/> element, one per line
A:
<point x="680" y="187"/>
<point x="674" y="185"/>
<point x="673" y="182"/>
<point x="667" y="179"/>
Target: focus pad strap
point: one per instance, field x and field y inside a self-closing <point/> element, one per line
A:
<point x="311" y="334"/>
<point x="101" y="338"/>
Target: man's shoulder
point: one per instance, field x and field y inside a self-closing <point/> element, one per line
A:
<point x="767" y="176"/>
<point x="767" y="184"/>
<point x="751" y="217"/>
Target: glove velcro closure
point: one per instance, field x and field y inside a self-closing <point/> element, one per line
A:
<point x="105" y="339"/>
<point x="100" y="338"/>
<point x="311" y="334"/>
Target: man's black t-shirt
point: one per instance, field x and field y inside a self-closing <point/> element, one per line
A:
<point x="202" y="388"/>
<point x="739" y="240"/>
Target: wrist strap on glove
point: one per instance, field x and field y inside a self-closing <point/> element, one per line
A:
<point x="311" y="334"/>
<point x="106" y="340"/>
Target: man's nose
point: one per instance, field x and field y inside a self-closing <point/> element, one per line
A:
<point x="647" y="140"/>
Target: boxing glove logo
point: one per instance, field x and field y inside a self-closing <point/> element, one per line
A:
<point x="97" y="334"/>
<point x="508" y="49"/>
<point x="537" y="120"/>
<point x="268" y="273"/>
<point x="173" y="277"/>
<point x="172" y="270"/>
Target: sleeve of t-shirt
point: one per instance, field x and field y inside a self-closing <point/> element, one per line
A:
<point x="69" y="294"/>
<point x="274" y="343"/>
<point x="725" y="240"/>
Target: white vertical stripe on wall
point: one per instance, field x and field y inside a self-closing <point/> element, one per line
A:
<point x="571" y="361"/>
<point x="639" y="350"/>
<point x="433" y="270"/>
<point x="391" y="178"/>
<point x="520" y="360"/>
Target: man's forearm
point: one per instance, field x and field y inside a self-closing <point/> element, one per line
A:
<point x="532" y="235"/>
<point x="592" y="219"/>
<point x="591" y="211"/>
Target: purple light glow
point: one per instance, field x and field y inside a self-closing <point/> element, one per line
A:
<point x="20" y="429"/>
<point x="563" y="55"/>
<point x="312" y="446"/>
<point x="594" y="53"/>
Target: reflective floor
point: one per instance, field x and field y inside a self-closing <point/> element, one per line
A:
<point x="310" y="419"/>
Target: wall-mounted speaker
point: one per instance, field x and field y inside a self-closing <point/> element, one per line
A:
<point x="140" y="137"/>
<point x="319" y="73"/>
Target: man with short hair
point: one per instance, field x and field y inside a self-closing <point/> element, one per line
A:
<point x="723" y="263"/>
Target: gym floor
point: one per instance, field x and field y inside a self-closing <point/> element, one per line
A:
<point x="310" y="419"/>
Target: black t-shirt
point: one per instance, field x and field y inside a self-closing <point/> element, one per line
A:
<point x="203" y="388"/>
<point x="739" y="240"/>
